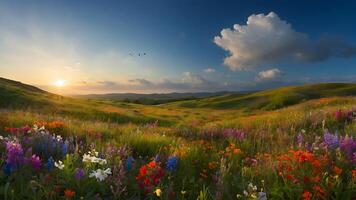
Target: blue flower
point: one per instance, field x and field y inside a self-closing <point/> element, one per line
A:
<point x="50" y="163"/>
<point x="129" y="163"/>
<point x="64" y="148"/>
<point x="172" y="163"/>
<point x="8" y="169"/>
<point x="157" y="158"/>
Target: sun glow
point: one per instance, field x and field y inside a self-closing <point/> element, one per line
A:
<point x="60" y="83"/>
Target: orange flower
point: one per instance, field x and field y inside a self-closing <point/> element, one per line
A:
<point x="354" y="173"/>
<point x="337" y="170"/>
<point x="237" y="151"/>
<point x="306" y="195"/>
<point x="212" y="165"/>
<point x="69" y="193"/>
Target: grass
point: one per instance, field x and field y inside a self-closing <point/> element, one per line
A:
<point x="211" y="165"/>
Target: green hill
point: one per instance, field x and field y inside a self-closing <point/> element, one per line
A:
<point x="18" y="96"/>
<point x="274" y="98"/>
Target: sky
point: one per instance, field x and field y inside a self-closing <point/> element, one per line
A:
<point x="160" y="46"/>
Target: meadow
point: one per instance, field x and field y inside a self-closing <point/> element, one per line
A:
<point x="289" y="143"/>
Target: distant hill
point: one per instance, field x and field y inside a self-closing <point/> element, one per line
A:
<point x="20" y="96"/>
<point x="152" y="99"/>
<point x="274" y="98"/>
<point x="17" y="95"/>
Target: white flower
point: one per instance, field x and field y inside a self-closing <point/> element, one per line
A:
<point x="59" y="138"/>
<point x="92" y="158"/>
<point x="59" y="164"/>
<point x="245" y="193"/>
<point x="100" y="174"/>
<point x="1" y="137"/>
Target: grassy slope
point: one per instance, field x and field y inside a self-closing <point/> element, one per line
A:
<point x="19" y="96"/>
<point x="274" y="98"/>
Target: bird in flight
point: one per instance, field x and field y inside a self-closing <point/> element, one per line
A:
<point x="139" y="54"/>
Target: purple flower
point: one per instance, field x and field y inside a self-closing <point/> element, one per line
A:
<point x="300" y="139"/>
<point x="172" y="163"/>
<point x="79" y="174"/>
<point x="237" y="134"/>
<point x="348" y="146"/>
<point x="14" y="154"/>
<point x="331" y="140"/>
<point x="354" y="158"/>
<point x="35" y="162"/>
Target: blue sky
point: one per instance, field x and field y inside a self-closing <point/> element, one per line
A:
<point x="88" y="44"/>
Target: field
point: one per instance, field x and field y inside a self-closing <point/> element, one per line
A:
<point x="285" y="143"/>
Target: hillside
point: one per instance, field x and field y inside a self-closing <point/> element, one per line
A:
<point x="274" y="98"/>
<point x="19" y="96"/>
<point x="152" y="99"/>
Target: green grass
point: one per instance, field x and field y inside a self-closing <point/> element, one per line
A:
<point x="273" y="99"/>
<point x="273" y="120"/>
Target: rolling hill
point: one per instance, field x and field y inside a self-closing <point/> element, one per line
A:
<point x="274" y="98"/>
<point x="17" y="95"/>
<point x="152" y="99"/>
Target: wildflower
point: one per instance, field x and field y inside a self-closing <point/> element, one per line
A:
<point x="50" y="163"/>
<point x="331" y="140"/>
<point x="100" y="174"/>
<point x="300" y="139"/>
<point x="237" y="151"/>
<point x="348" y="146"/>
<point x="69" y="193"/>
<point x="158" y="192"/>
<point x="59" y="164"/>
<point x="262" y="196"/>
<point x="158" y="158"/>
<point x="172" y="163"/>
<point x="150" y="176"/>
<point x="306" y="195"/>
<point x="35" y="162"/>
<point x="129" y="163"/>
<point x="91" y="157"/>
<point x="14" y="154"/>
<point x="354" y="173"/>
<point x="337" y="170"/>
<point x="79" y="174"/>
<point x="183" y="192"/>
<point x="64" y="147"/>
<point x="7" y="169"/>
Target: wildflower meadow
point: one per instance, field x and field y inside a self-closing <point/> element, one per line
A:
<point x="304" y="156"/>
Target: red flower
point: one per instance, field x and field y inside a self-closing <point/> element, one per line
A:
<point x="69" y="193"/>
<point x="150" y="176"/>
<point x="306" y="195"/>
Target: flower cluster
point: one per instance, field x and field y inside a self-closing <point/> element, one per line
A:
<point x="92" y="157"/>
<point x="149" y="176"/>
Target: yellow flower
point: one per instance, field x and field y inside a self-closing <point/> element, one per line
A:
<point x="158" y="192"/>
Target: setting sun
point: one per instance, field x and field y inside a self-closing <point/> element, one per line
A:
<point x="60" y="83"/>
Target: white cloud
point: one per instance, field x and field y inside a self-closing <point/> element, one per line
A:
<point x="269" y="75"/>
<point x="267" y="39"/>
<point x="209" y="70"/>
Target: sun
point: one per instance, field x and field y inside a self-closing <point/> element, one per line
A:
<point x="60" y="83"/>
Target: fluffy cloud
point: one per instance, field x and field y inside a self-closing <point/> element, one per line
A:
<point x="267" y="39"/>
<point x="269" y="75"/>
